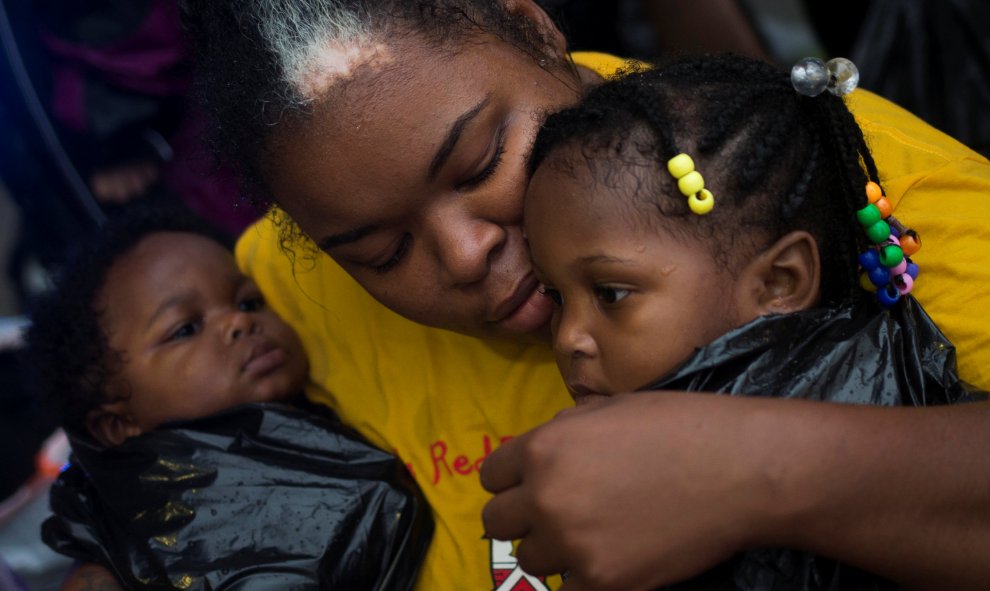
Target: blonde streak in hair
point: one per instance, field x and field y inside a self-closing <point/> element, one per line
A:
<point x="315" y="42"/>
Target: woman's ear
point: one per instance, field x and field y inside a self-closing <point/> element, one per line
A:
<point x="784" y="278"/>
<point x="544" y="24"/>
<point x="111" y="424"/>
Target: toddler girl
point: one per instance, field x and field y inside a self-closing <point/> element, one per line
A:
<point x="704" y="226"/>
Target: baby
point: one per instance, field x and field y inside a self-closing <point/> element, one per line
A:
<point x="196" y="460"/>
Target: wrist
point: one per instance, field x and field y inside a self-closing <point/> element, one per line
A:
<point x="790" y="451"/>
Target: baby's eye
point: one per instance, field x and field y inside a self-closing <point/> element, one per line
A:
<point x="610" y="295"/>
<point x="553" y="294"/>
<point x="184" y="331"/>
<point x="252" y="304"/>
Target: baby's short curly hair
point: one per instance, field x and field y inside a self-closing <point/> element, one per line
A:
<point x="68" y="352"/>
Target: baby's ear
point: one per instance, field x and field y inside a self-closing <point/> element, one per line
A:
<point x="784" y="278"/>
<point x="111" y="423"/>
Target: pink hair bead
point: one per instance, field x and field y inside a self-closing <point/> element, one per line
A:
<point x="904" y="283"/>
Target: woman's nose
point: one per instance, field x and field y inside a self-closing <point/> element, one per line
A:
<point x="466" y="247"/>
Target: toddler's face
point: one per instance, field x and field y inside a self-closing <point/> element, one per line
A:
<point x="196" y="334"/>
<point x="632" y="301"/>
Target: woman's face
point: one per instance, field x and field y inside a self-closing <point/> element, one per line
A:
<point x="411" y="176"/>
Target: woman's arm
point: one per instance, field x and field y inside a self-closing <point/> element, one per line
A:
<point x="91" y="577"/>
<point x="651" y="488"/>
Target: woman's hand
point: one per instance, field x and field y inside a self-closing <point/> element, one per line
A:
<point x="647" y="489"/>
<point x="630" y="493"/>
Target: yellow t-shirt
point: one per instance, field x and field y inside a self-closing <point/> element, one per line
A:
<point x="443" y="401"/>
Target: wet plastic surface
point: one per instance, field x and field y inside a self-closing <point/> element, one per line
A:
<point x="854" y="356"/>
<point x="259" y="497"/>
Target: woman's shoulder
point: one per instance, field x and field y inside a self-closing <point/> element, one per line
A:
<point x="941" y="188"/>
<point x="905" y="145"/>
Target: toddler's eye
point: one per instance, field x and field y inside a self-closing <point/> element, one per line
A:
<point x="252" y="304"/>
<point x="553" y="294"/>
<point x="610" y="295"/>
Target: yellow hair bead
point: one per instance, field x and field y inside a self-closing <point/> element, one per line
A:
<point x="865" y="283"/>
<point x="701" y="202"/>
<point x="691" y="183"/>
<point x="680" y="165"/>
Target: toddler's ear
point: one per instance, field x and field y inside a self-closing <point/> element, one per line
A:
<point x="783" y="278"/>
<point x="111" y="424"/>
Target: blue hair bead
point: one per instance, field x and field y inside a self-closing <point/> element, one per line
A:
<point x="879" y="276"/>
<point x="869" y="259"/>
<point x="912" y="269"/>
<point x="888" y="296"/>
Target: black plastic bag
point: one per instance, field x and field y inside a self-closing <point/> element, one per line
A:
<point x="854" y="355"/>
<point x="263" y="496"/>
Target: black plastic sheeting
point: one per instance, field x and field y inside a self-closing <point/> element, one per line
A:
<point x="854" y="355"/>
<point x="263" y="496"/>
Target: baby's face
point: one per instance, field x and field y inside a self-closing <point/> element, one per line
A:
<point x="632" y="301"/>
<point x="196" y="334"/>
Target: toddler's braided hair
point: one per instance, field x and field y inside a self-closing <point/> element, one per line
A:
<point x="776" y="161"/>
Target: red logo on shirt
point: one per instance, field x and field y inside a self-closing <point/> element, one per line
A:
<point x="506" y="574"/>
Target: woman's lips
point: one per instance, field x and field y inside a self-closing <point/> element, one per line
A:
<point x="526" y="311"/>
<point x="519" y="295"/>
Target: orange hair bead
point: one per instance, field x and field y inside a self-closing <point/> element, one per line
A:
<point x="884" y="206"/>
<point x="910" y="243"/>
<point x="873" y="192"/>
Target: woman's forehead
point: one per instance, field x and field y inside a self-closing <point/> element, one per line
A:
<point x="332" y="63"/>
<point x="386" y="118"/>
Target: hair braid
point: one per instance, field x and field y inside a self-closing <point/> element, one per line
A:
<point x="777" y="161"/>
<point x="794" y="199"/>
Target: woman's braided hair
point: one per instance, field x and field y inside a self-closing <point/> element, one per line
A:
<point x="776" y="161"/>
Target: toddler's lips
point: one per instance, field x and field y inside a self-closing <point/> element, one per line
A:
<point x="583" y="394"/>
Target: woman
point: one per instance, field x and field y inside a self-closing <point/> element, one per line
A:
<point x="395" y="135"/>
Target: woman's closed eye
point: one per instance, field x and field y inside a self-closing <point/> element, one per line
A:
<point x="396" y="257"/>
<point x="490" y="167"/>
